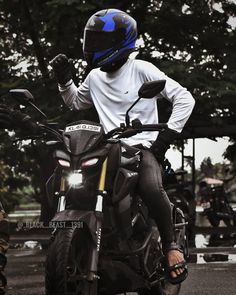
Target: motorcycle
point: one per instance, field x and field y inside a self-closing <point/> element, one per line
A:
<point x="181" y="195"/>
<point x="215" y="204"/>
<point x="103" y="241"/>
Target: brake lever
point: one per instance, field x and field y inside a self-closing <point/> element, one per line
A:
<point x="129" y="132"/>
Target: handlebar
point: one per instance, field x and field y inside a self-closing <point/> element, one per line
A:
<point x="121" y="132"/>
<point x="125" y="132"/>
<point x="51" y="131"/>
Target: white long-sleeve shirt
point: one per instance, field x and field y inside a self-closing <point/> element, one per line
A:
<point x="113" y="93"/>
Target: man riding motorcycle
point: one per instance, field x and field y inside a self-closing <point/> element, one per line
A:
<point x="111" y="86"/>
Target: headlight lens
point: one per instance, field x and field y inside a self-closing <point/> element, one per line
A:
<point x="64" y="163"/>
<point x="75" y="178"/>
<point x="90" y="162"/>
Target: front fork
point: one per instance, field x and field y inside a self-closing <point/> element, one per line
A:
<point x="93" y="266"/>
<point x="93" y="263"/>
<point x="62" y="198"/>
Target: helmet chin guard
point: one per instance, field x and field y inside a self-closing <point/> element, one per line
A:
<point x="109" y="35"/>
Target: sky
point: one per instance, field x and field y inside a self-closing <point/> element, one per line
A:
<point x="203" y="148"/>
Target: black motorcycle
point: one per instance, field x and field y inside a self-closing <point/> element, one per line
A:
<point x="181" y="195"/>
<point x="215" y="204"/>
<point x="103" y="241"/>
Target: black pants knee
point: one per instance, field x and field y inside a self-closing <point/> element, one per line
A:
<point x="154" y="196"/>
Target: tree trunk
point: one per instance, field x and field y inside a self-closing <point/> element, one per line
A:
<point x="36" y="42"/>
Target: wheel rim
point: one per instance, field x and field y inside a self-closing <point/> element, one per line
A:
<point x="77" y="264"/>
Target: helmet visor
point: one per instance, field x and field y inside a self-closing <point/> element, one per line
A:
<point x="95" y="41"/>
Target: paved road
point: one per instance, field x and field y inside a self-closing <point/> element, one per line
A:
<point x="211" y="278"/>
<point x="26" y="267"/>
<point x="25" y="272"/>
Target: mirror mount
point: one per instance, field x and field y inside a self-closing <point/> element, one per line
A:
<point x="147" y="90"/>
<point x="24" y="97"/>
<point x="127" y="118"/>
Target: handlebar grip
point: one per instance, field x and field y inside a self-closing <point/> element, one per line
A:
<point x="158" y="127"/>
<point x="136" y="128"/>
<point x="147" y="127"/>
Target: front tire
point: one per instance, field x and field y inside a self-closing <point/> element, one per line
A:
<point x="67" y="264"/>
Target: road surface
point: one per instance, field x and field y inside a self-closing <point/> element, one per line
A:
<point x="25" y="272"/>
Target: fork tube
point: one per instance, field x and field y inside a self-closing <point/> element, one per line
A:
<point x="99" y="216"/>
<point x="101" y="187"/>
<point x="62" y="198"/>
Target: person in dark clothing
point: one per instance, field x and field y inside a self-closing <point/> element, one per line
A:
<point x="111" y="86"/>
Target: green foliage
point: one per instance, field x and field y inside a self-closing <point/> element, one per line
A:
<point x="196" y="46"/>
<point x="10" y="185"/>
<point x="230" y="154"/>
<point x="207" y="169"/>
<point x="192" y="41"/>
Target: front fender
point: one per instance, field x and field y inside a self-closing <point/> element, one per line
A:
<point x="87" y="218"/>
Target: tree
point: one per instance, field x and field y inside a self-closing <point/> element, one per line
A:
<point x="206" y="167"/>
<point x="183" y="38"/>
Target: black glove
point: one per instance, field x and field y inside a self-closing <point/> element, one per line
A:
<point x="162" y="144"/>
<point x="62" y="68"/>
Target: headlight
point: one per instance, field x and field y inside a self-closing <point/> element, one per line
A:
<point x="75" y="178"/>
<point x="64" y="163"/>
<point x="90" y="162"/>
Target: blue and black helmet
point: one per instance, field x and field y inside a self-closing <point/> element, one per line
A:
<point x="109" y="35"/>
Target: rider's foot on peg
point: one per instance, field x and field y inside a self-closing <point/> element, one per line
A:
<point x="176" y="268"/>
<point x="175" y="257"/>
